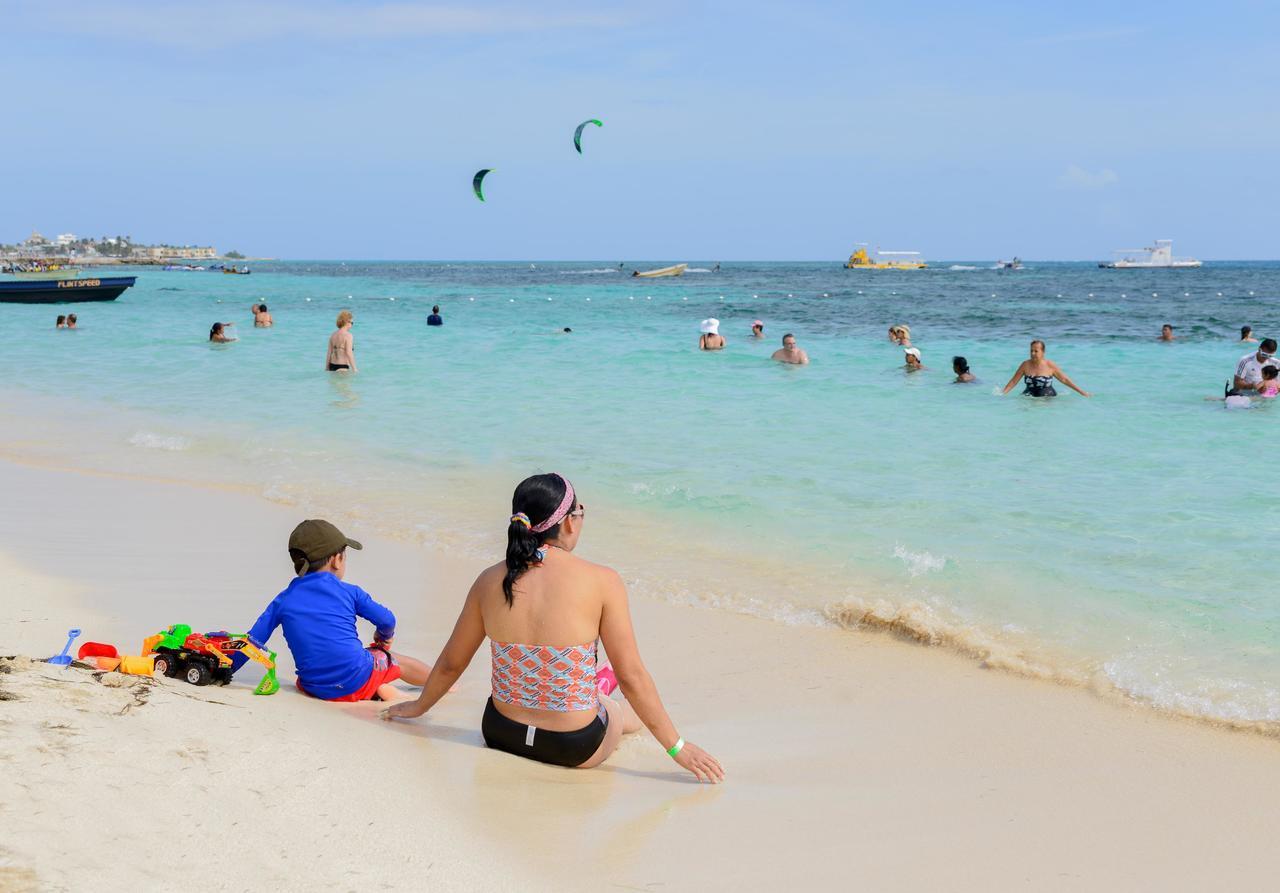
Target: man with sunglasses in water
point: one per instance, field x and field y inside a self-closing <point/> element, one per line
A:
<point x="1249" y="369"/>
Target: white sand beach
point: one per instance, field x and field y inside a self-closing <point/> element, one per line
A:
<point x="854" y="761"/>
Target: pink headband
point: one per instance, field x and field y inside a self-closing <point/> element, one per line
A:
<point x="558" y="515"/>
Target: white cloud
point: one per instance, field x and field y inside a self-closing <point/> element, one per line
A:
<point x="193" y="24"/>
<point x="1076" y="177"/>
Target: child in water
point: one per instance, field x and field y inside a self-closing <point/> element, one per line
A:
<point x="1270" y="384"/>
<point x="318" y="612"/>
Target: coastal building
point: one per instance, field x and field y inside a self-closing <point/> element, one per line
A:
<point x="65" y="239"/>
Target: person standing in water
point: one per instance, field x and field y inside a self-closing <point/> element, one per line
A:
<point x="900" y="335"/>
<point x="1246" y="335"/>
<point x="261" y="318"/>
<point x="545" y="612"/>
<point x="960" y="366"/>
<point x="435" y="319"/>
<point x="1166" y="333"/>
<point x="341" y="356"/>
<point x="789" y="353"/>
<point x="914" y="362"/>
<point x="757" y="330"/>
<point x="71" y="320"/>
<point x="711" y="339"/>
<point x="62" y="322"/>
<point x="1249" y="370"/>
<point x="1038" y="374"/>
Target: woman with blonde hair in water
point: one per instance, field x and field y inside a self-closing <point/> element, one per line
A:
<point x="900" y="335"/>
<point x="543" y="610"/>
<point x="341" y="356"/>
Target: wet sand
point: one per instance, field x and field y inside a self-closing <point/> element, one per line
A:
<point x="853" y="759"/>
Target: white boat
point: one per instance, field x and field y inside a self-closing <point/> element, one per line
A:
<point x="1158" y="256"/>
<point x="1015" y="264"/>
<point x="677" y="270"/>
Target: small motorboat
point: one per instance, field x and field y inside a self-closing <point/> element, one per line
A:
<point x="677" y="270"/>
<point x="1015" y="264"/>
<point x="63" y="291"/>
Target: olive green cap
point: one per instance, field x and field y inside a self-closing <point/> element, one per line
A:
<point x="318" y="540"/>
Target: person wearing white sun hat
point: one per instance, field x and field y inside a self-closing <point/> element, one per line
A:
<point x="711" y="339"/>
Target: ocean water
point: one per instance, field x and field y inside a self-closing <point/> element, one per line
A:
<point x="1125" y="542"/>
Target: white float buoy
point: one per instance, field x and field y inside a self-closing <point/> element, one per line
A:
<point x="1059" y="295"/>
<point x="1250" y="294"/>
<point x="792" y="296"/>
<point x="470" y="299"/>
<point x="390" y="299"/>
<point x="1124" y="296"/>
<point x="308" y="299"/>
<point x="1186" y="294"/>
<point x="1091" y="294"/>
<point x="1219" y="294"/>
<point x="588" y="299"/>
<point x="1154" y="295"/>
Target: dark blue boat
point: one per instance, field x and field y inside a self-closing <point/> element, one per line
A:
<point x="63" y="291"/>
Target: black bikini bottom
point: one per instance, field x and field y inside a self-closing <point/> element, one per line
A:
<point x="1040" y="391"/>
<point x="334" y="367"/>
<point x="557" y="748"/>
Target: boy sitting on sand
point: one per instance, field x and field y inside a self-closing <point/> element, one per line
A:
<point x="318" y="612"/>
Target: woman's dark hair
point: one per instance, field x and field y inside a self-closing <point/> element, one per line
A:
<point x="1268" y="345"/>
<point x="1270" y="372"/>
<point x="435" y="309"/>
<point x="215" y="329"/>
<point x="537" y="498"/>
<point x="61" y="320"/>
<point x="1245" y="331"/>
<point x="960" y="365"/>
<point x="262" y="308"/>
<point x="302" y="567"/>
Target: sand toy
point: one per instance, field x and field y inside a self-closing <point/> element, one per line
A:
<point x="62" y="658"/>
<point x="205" y="659"/>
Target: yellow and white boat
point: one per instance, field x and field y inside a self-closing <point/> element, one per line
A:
<point x="884" y="260"/>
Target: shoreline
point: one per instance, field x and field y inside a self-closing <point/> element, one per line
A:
<point x="907" y="622"/>
<point x="916" y="767"/>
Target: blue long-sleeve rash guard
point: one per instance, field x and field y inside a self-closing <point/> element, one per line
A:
<point x="318" y="613"/>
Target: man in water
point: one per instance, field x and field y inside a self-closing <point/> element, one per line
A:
<point x="790" y="353"/>
<point x="71" y="321"/>
<point x="261" y="318"/>
<point x="435" y="319"/>
<point x="1166" y="332"/>
<point x="1249" y="370"/>
<point x="914" y="361"/>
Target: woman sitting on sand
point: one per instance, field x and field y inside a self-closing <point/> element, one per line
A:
<point x="341" y="356"/>
<point x="549" y="702"/>
<point x="1038" y="374"/>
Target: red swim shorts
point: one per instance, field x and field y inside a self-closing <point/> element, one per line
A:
<point x="385" y="669"/>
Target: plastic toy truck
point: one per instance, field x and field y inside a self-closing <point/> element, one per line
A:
<point x="205" y="659"/>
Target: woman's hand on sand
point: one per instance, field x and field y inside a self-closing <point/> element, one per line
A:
<point x="403" y="710"/>
<point x="702" y="764"/>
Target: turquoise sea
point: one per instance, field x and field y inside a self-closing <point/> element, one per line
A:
<point x="1127" y="542"/>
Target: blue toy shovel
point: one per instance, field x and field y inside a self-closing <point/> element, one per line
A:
<point x="63" y="659"/>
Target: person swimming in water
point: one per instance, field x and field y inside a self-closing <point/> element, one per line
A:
<point x="711" y="339"/>
<point x="1249" y="370"/>
<point x="1166" y="333"/>
<point x="960" y="366"/>
<point x="261" y="318"/>
<point x="218" y="335"/>
<point x="1246" y="335"/>
<point x="62" y="322"/>
<point x="757" y="330"/>
<point x="900" y="335"/>
<point x="1270" y="385"/>
<point x="914" y="362"/>
<point x="1038" y="374"/>
<point x="789" y="353"/>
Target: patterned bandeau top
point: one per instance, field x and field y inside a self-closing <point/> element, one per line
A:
<point x="543" y="677"/>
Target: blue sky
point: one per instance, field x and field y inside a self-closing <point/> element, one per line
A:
<point x="732" y="131"/>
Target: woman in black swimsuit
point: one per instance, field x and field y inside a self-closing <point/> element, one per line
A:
<point x="1038" y="374"/>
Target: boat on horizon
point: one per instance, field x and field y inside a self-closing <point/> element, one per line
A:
<point x="884" y="260"/>
<point x="1159" y="257"/>
<point x="1015" y="264"/>
<point x="67" y="290"/>
<point x="677" y="270"/>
